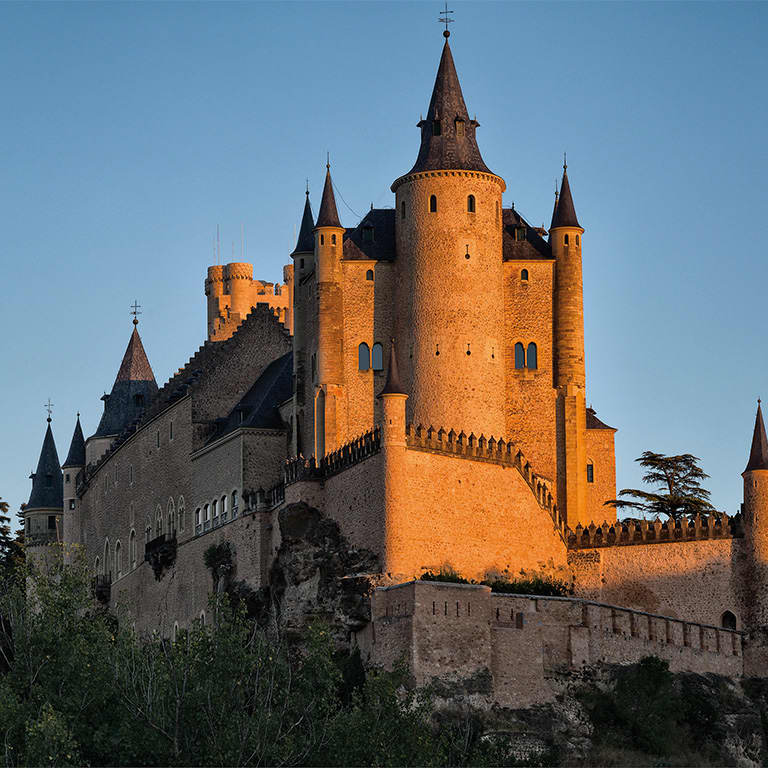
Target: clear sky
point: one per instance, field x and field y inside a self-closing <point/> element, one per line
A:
<point x="129" y="131"/>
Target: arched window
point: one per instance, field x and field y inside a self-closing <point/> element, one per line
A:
<point x="532" y="360"/>
<point x="402" y="210"/>
<point x="107" y="564"/>
<point x="433" y="203"/>
<point x="234" y="504"/>
<point x="524" y="275"/>
<point x="158" y="520"/>
<point x="471" y="204"/>
<point x="171" y="515"/>
<point x="565" y="239"/>
<point x="728" y="620"/>
<point x="198" y="524"/>
<point x="369" y="275"/>
<point x="118" y="559"/>
<point x="215" y="507"/>
<point x="377" y="357"/>
<point x="181" y="524"/>
<point x="175" y="631"/>
<point x="320" y="424"/>
<point x="202" y="617"/>
<point x="96" y="566"/>
<point x="519" y="355"/>
<point x="206" y="517"/>
<point x="132" y="548"/>
<point x="333" y="239"/>
<point x="224" y="510"/>
<point x="590" y="471"/>
<point x="148" y="530"/>
<point x="363" y="357"/>
<point x="577" y="239"/>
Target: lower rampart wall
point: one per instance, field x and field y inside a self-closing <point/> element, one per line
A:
<point x="515" y="650"/>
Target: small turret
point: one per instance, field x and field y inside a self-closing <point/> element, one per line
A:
<point x="329" y="241"/>
<point x="393" y="399"/>
<point x="74" y="462"/>
<point x="42" y="513"/>
<point x="303" y="253"/>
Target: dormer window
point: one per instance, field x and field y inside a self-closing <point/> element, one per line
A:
<point x="333" y="239"/>
<point x="138" y="401"/>
<point x="436" y="128"/>
<point x="368" y="233"/>
<point x="460" y="128"/>
<point x="520" y="233"/>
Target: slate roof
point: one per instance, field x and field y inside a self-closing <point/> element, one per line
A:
<point x="306" y="240"/>
<point x="392" y="385"/>
<point x="565" y="214"/>
<point x="76" y="455"/>
<point x="132" y="392"/>
<point x="533" y="247"/>
<point x="47" y="487"/>
<point x="594" y="423"/>
<point x="758" y="455"/>
<point x="259" y="406"/>
<point x="448" y="150"/>
<point x="328" y="216"/>
<point x="382" y="246"/>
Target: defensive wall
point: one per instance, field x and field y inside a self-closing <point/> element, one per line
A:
<point x="516" y="650"/>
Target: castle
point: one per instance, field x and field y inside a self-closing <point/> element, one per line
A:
<point x="419" y="379"/>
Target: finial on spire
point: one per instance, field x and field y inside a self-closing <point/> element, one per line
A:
<point x="135" y="311"/>
<point x="327" y="161"/>
<point x="565" y="162"/>
<point x="307" y="192"/>
<point x="48" y="407"/>
<point x="443" y="18"/>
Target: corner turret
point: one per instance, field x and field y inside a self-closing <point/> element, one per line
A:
<point x="74" y="462"/>
<point x="42" y="513"/>
<point x="329" y="241"/>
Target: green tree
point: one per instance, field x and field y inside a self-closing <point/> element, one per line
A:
<point x="678" y="487"/>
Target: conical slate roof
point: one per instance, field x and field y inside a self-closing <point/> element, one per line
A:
<point x="758" y="456"/>
<point x="133" y="390"/>
<point x="554" y="210"/>
<point x="442" y="144"/>
<point x="328" y="216"/>
<point x="565" y="214"/>
<point x="47" y="490"/>
<point x="393" y="385"/>
<point x="306" y="241"/>
<point x="76" y="455"/>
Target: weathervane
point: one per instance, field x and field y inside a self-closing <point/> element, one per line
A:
<point x="48" y="407"/>
<point x="135" y="311"/>
<point x="445" y="19"/>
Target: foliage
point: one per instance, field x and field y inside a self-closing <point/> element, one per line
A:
<point x="679" y="492"/>
<point x="76" y="689"/>
<point x="534" y="585"/>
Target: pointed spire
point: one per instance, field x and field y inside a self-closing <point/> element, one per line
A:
<point x="758" y="456"/>
<point x="328" y="216"/>
<point x="393" y="385"/>
<point x="565" y="214"/>
<point x="306" y="241"/>
<point x="554" y="210"/>
<point x="447" y="134"/>
<point x="134" y="388"/>
<point x="47" y="490"/>
<point x="76" y="455"/>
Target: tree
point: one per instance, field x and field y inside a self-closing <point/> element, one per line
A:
<point x="679" y="492"/>
<point x="6" y="541"/>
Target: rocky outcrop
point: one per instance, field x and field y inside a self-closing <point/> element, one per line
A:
<point x="318" y="575"/>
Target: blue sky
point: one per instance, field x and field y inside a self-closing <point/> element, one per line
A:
<point x="130" y="131"/>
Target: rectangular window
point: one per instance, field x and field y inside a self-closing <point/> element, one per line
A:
<point x="158" y="438"/>
<point x="590" y="473"/>
<point x="130" y="474"/>
<point x="170" y="431"/>
<point x="51" y="522"/>
<point x="71" y="503"/>
<point x="66" y="477"/>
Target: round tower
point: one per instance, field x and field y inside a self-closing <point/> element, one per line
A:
<point x="214" y="291"/>
<point x="449" y="244"/>
<point x="238" y="278"/>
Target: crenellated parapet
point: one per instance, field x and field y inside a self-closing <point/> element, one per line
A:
<point x="627" y="533"/>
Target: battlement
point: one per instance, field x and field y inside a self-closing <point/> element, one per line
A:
<point x="504" y="452"/>
<point x="621" y="534"/>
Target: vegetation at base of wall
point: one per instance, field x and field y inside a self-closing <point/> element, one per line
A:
<point x="547" y="586"/>
<point x="78" y="688"/>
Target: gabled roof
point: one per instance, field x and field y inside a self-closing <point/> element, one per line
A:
<point x="259" y="406"/>
<point x="134" y="388"/>
<point x="328" y="216"/>
<point x="76" y="455"/>
<point x="447" y="149"/>
<point x="758" y="455"/>
<point x="47" y="489"/>
<point x="534" y="246"/>
<point x="379" y="240"/>
<point x="565" y="213"/>
<point x="306" y="240"/>
<point x="594" y="423"/>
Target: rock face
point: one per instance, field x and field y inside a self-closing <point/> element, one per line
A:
<point x="317" y="575"/>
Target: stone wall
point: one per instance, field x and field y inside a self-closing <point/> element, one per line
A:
<point x="516" y="650"/>
<point x="600" y="452"/>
